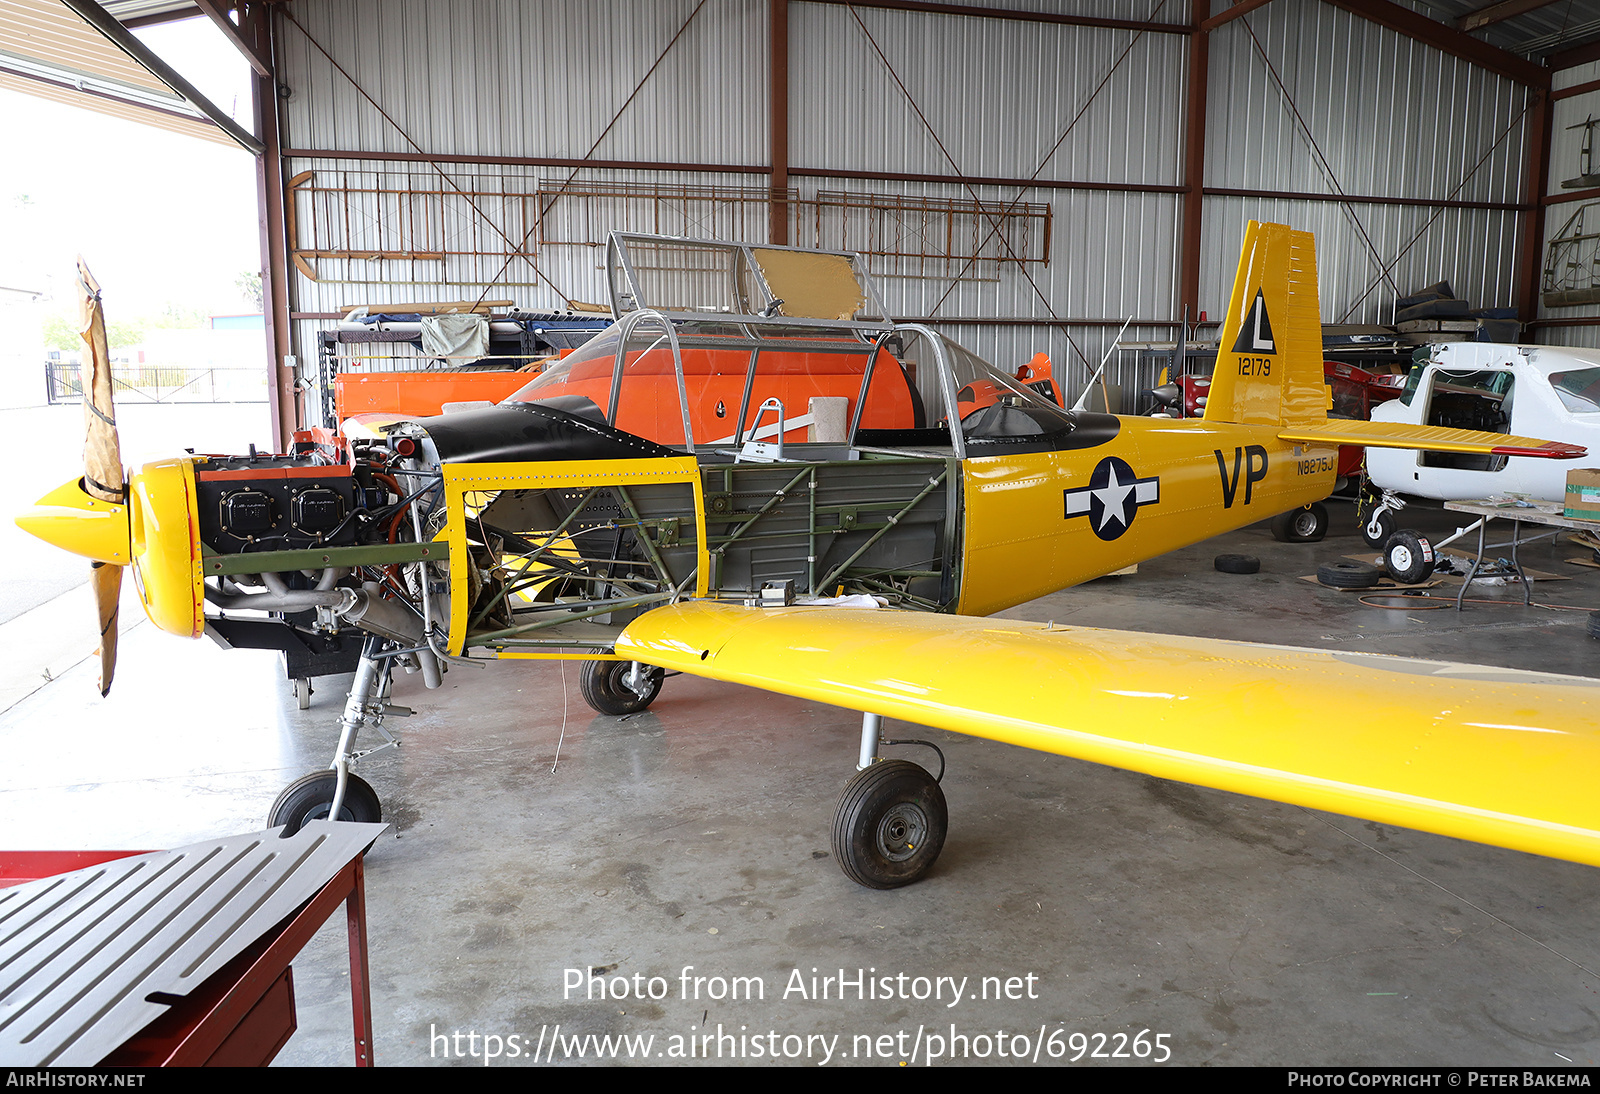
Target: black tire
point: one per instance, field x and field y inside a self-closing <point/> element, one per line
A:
<point x="1408" y="557"/>
<point x="890" y="826"/>
<point x="1377" y="524"/>
<point x="1307" y="525"/>
<point x="308" y="798"/>
<point x="1348" y="575"/>
<point x="1593" y="626"/>
<point x="1237" y="564"/>
<point x="603" y="688"/>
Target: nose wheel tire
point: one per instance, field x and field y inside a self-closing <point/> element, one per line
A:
<point x="605" y="688"/>
<point x="890" y="826"/>
<point x="308" y="798"/>
<point x="1377" y="525"/>
<point x="1307" y="525"/>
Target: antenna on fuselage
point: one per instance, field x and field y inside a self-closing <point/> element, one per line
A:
<point x="1083" y="400"/>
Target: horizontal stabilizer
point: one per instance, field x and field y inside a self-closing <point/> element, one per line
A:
<point x="1433" y="438"/>
<point x="1493" y="755"/>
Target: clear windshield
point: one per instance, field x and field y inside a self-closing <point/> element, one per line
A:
<point x="990" y="404"/>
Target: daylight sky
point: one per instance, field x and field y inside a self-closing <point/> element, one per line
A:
<point x="160" y="218"/>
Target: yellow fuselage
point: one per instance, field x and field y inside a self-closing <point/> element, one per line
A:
<point x="1030" y="523"/>
<point x="1021" y="542"/>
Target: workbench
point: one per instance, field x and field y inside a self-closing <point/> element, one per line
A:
<point x="1550" y="514"/>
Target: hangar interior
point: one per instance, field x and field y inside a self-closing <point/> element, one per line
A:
<point x="1020" y="177"/>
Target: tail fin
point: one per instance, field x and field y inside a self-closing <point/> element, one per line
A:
<point x="1269" y="360"/>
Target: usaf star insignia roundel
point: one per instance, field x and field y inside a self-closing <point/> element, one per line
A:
<point x="1112" y="498"/>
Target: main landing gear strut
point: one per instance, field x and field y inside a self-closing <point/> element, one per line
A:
<point x="891" y="822"/>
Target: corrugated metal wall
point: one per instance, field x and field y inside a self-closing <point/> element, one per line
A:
<point x="1378" y="115"/>
<point x="1568" y="116"/>
<point x="1367" y="112"/>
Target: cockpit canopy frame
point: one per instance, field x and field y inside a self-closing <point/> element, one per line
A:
<point x="701" y="278"/>
<point x="673" y="374"/>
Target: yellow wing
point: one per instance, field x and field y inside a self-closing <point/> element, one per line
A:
<point x="1493" y="755"/>
<point x="1434" y="438"/>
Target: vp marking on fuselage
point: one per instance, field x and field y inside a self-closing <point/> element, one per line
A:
<point x="1113" y="497"/>
<point x="1254" y="459"/>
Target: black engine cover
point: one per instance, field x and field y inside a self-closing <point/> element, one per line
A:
<point x="273" y="503"/>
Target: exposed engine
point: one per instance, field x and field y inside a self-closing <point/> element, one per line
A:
<point x="262" y="518"/>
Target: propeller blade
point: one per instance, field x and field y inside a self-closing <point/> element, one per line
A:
<point x="102" y="452"/>
<point x="107" y="582"/>
<point x="103" y="476"/>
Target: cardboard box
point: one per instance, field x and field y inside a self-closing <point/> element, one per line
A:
<point x="1583" y="494"/>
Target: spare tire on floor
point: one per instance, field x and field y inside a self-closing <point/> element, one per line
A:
<point x="1348" y="575"/>
<point x="1237" y="564"/>
<point x="1408" y="557"/>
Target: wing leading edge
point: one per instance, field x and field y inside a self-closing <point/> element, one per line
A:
<point x="1491" y="755"/>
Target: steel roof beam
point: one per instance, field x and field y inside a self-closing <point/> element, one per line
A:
<point x="1494" y="13"/>
<point x="1014" y="14"/>
<point x="1577" y="55"/>
<point x="177" y="15"/>
<point x="218" y="14"/>
<point x="1451" y="41"/>
<point x="118" y="35"/>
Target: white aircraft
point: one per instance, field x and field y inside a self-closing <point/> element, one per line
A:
<point x="1540" y="391"/>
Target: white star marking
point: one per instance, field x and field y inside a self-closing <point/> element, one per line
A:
<point x="1114" y="493"/>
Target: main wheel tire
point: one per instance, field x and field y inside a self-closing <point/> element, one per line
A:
<point x="603" y="688"/>
<point x="308" y="798"/>
<point x="1377" y="525"/>
<point x="1307" y="525"/>
<point x="1237" y="564"/>
<point x="1408" y="557"/>
<point x="890" y="826"/>
<point x="1348" y="575"/>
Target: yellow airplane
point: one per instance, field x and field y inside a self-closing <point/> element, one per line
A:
<point x="852" y="563"/>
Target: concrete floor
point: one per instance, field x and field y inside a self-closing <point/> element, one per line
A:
<point x="697" y="835"/>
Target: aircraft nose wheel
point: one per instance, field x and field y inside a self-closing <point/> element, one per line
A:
<point x="890" y="826"/>
<point x="1377" y="521"/>
<point x="308" y="799"/>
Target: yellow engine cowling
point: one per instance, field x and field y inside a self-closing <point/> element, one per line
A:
<point x="156" y="531"/>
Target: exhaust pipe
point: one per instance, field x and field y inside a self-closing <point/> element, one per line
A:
<point x="393" y="620"/>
